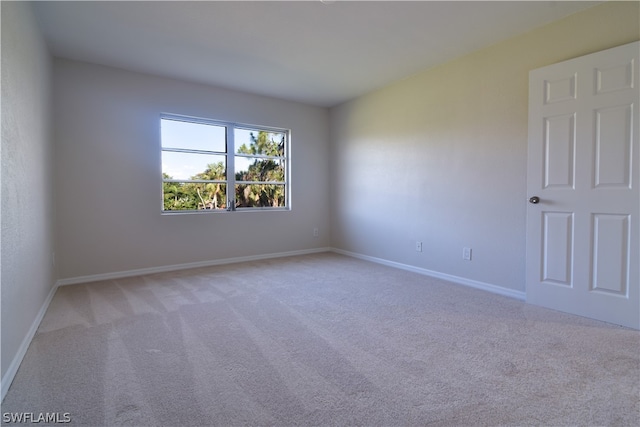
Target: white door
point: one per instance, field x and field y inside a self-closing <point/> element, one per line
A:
<point x="583" y="187"/>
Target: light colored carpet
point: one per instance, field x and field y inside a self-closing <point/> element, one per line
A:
<point x="320" y="340"/>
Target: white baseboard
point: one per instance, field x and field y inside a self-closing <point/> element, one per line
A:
<point x="186" y="266"/>
<point x="8" y="377"/>
<point x="175" y="267"/>
<point x="448" y="277"/>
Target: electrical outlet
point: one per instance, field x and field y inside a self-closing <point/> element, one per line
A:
<point x="418" y="246"/>
<point x="316" y="233"/>
<point x="466" y="254"/>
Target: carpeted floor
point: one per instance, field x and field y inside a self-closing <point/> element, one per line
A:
<point x="320" y="340"/>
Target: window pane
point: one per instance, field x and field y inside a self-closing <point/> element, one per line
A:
<point x="260" y="195"/>
<point x="252" y="169"/>
<point x="193" y="166"/>
<point x="259" y="142"/>
<point x="193" y="136"/>
<point x="189" y="196"/>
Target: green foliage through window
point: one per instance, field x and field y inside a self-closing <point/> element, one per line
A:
<point x="259" y="162"/>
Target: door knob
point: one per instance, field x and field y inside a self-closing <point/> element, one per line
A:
<point x="534" y="200"/>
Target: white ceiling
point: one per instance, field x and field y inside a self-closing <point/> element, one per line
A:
<point x="317" y="52"/>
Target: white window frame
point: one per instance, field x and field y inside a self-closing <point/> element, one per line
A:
<point x="230" y="155"/>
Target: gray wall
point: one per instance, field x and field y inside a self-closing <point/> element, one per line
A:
<point x="27" y="271"/>
<point x="108" y="174"/>
<point x="441" y="157"/>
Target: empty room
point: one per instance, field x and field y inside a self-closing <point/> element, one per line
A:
<point x="322" y="212"/>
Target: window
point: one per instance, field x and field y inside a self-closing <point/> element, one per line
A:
<point x="210" y="165"/>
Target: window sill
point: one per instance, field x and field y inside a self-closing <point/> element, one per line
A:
<point x="219" y="211"/>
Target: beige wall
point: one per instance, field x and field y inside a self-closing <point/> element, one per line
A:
<point x="441" y="157"/>
<point x="27" y="271"/>
<point x="108" y="174"/>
